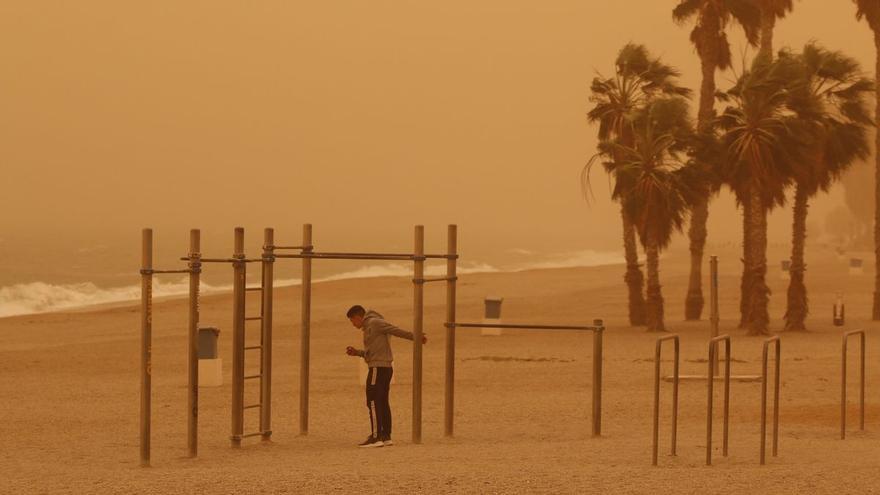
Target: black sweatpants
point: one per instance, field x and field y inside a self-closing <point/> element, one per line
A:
<point x="378" y="386"/>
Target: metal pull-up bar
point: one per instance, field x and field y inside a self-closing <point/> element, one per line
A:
<point x="598" y="327"/>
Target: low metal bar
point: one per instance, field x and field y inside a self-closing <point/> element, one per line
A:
<point x="271" y="247"/>
<point x="248" y="435"/>
<point x="253" y="318"/>
<point x="657" y="351"/>
<point x="250" y="289"/>
<point x="251" y="377"/>
<point x="333" y="257"/>
<point x="713" y="350"/>
<point x="253" y="406"/>
<point x="764" y="365"/>
<point x="846" y="336"/>
<point x="523" y="327"/>
<point x="399" y="255"/>
<point x="227" y="260"/>
<point x="250" y="348"/>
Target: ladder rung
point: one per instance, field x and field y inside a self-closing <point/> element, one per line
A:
<point x="251" y="318"/>
<point x="253" y="406"/>
<point x="246" y="435"/>
<point x="250" y="348"/>
<point x="249" y="377"/>
<point x="253" y="288"/>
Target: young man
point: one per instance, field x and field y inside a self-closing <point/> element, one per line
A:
<point x="377" y="354"/>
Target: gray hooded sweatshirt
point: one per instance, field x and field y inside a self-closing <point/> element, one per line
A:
<point x="377" y="349"/>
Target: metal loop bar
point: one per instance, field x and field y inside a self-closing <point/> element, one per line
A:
<point x="595" y="328"/>
<point x="846" y="336"/>
<point x="713" y="350"/>
<point x="764" y="364"/>
<point x="657" y="350"/>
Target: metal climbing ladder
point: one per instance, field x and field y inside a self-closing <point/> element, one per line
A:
<point x="242" y="352"/>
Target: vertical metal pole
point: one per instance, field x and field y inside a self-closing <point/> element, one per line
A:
<point x="843" y="391"/>
<point x="146" y="342"/>
<point x="712" y="352"/>
<point x="597" y="377"/>
<point x="266" y="334"/>
<point x="305" y="330"/>
<point x="776" y="397"/>
<point x="418" y="303"/>
<point x="862" y="381"/>
<point x="192" y="430"/>
<point x="238" y="309"/>
<point x="656" y="437"/>
<point x="763" y="403"/>
<point x="451" y="274"/>
<point x="726" y="396"/>
<point x="675" y="398"/>
<point x="714" y="317"/>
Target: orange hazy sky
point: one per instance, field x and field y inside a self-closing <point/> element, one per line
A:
<point x="363" y="118"/>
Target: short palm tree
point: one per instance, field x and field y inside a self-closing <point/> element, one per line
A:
<point x="831" y="94"/>
<point x="656" y="186"/>
<point x="869" y="10"/>
<point x="761" y="141"/>
<point x="638" y="78"/>
<point x="709" y="36"/>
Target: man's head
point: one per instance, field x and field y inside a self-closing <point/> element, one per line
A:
<point x="356" y="315"/>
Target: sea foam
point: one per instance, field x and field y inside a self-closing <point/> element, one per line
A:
<point x="41" y="297"/>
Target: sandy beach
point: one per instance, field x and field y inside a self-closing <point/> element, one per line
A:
<point x="69" y="385"/>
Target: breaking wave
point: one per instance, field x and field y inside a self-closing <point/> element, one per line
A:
<point x="41" y="297"/>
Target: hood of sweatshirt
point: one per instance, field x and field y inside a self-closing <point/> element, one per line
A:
<point x="372" y="314"/>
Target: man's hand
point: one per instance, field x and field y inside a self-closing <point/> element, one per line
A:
<point x="351" y="351"/>
<point x="424" y="339"/>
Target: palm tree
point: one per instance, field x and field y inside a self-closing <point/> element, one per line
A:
<point x="771" y="11"/>
<point x="655" y="186"/>
<point x="710" y="39"/>
<point x="760" y="144"/>
<point x="638" y="77"/>
<point x="869" y="10"/>
<point x="830" y="94"/>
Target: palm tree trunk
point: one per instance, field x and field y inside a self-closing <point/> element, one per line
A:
<point x="797" y="308"/>
<point x="693" y="305"/>
<point x="759" y="293"/>
<point x="655" y="296"/>
<point x="876" y="309"/>
<point x="768" y="23"/>
<point x="633" y="277"/>
<point x="744" y="287"/>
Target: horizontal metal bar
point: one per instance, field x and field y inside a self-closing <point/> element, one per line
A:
<point x="247" y="435"/>
<point x="254" y="406"/>
<point x="435" y="279"/>
<point x="155" y="272"/>
<point x="523" y="327"/>
<point x="251" y="377"/>
<point x="252" y="288"/>
<point x="227" y="260"/>
<point x="400" y="255"/>
<point x="290" y="247"/>
<point x="252" y="318"/>
<point x="338" y="257"/>
<point x="250" y="348"/>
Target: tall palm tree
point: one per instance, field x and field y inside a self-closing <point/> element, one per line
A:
<point x="771" y="11"/>
<point x="869" y="10"/>
<point x="638" y="77"/>
<point x="830" y="93"/>
<point x="760" y="145"/>
<point x="656" y="186"/>
<point x="709" y="36"/>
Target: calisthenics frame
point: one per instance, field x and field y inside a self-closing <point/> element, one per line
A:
<point x="239" y="262"/>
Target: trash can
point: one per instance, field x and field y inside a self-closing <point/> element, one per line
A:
<point x="210" y="365"/>
<point x="855" y="266"/>
<point x="492" y="315"/>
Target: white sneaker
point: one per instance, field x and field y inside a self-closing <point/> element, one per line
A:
<point x="371" y="442"/>
<point x="388" y="443"/>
